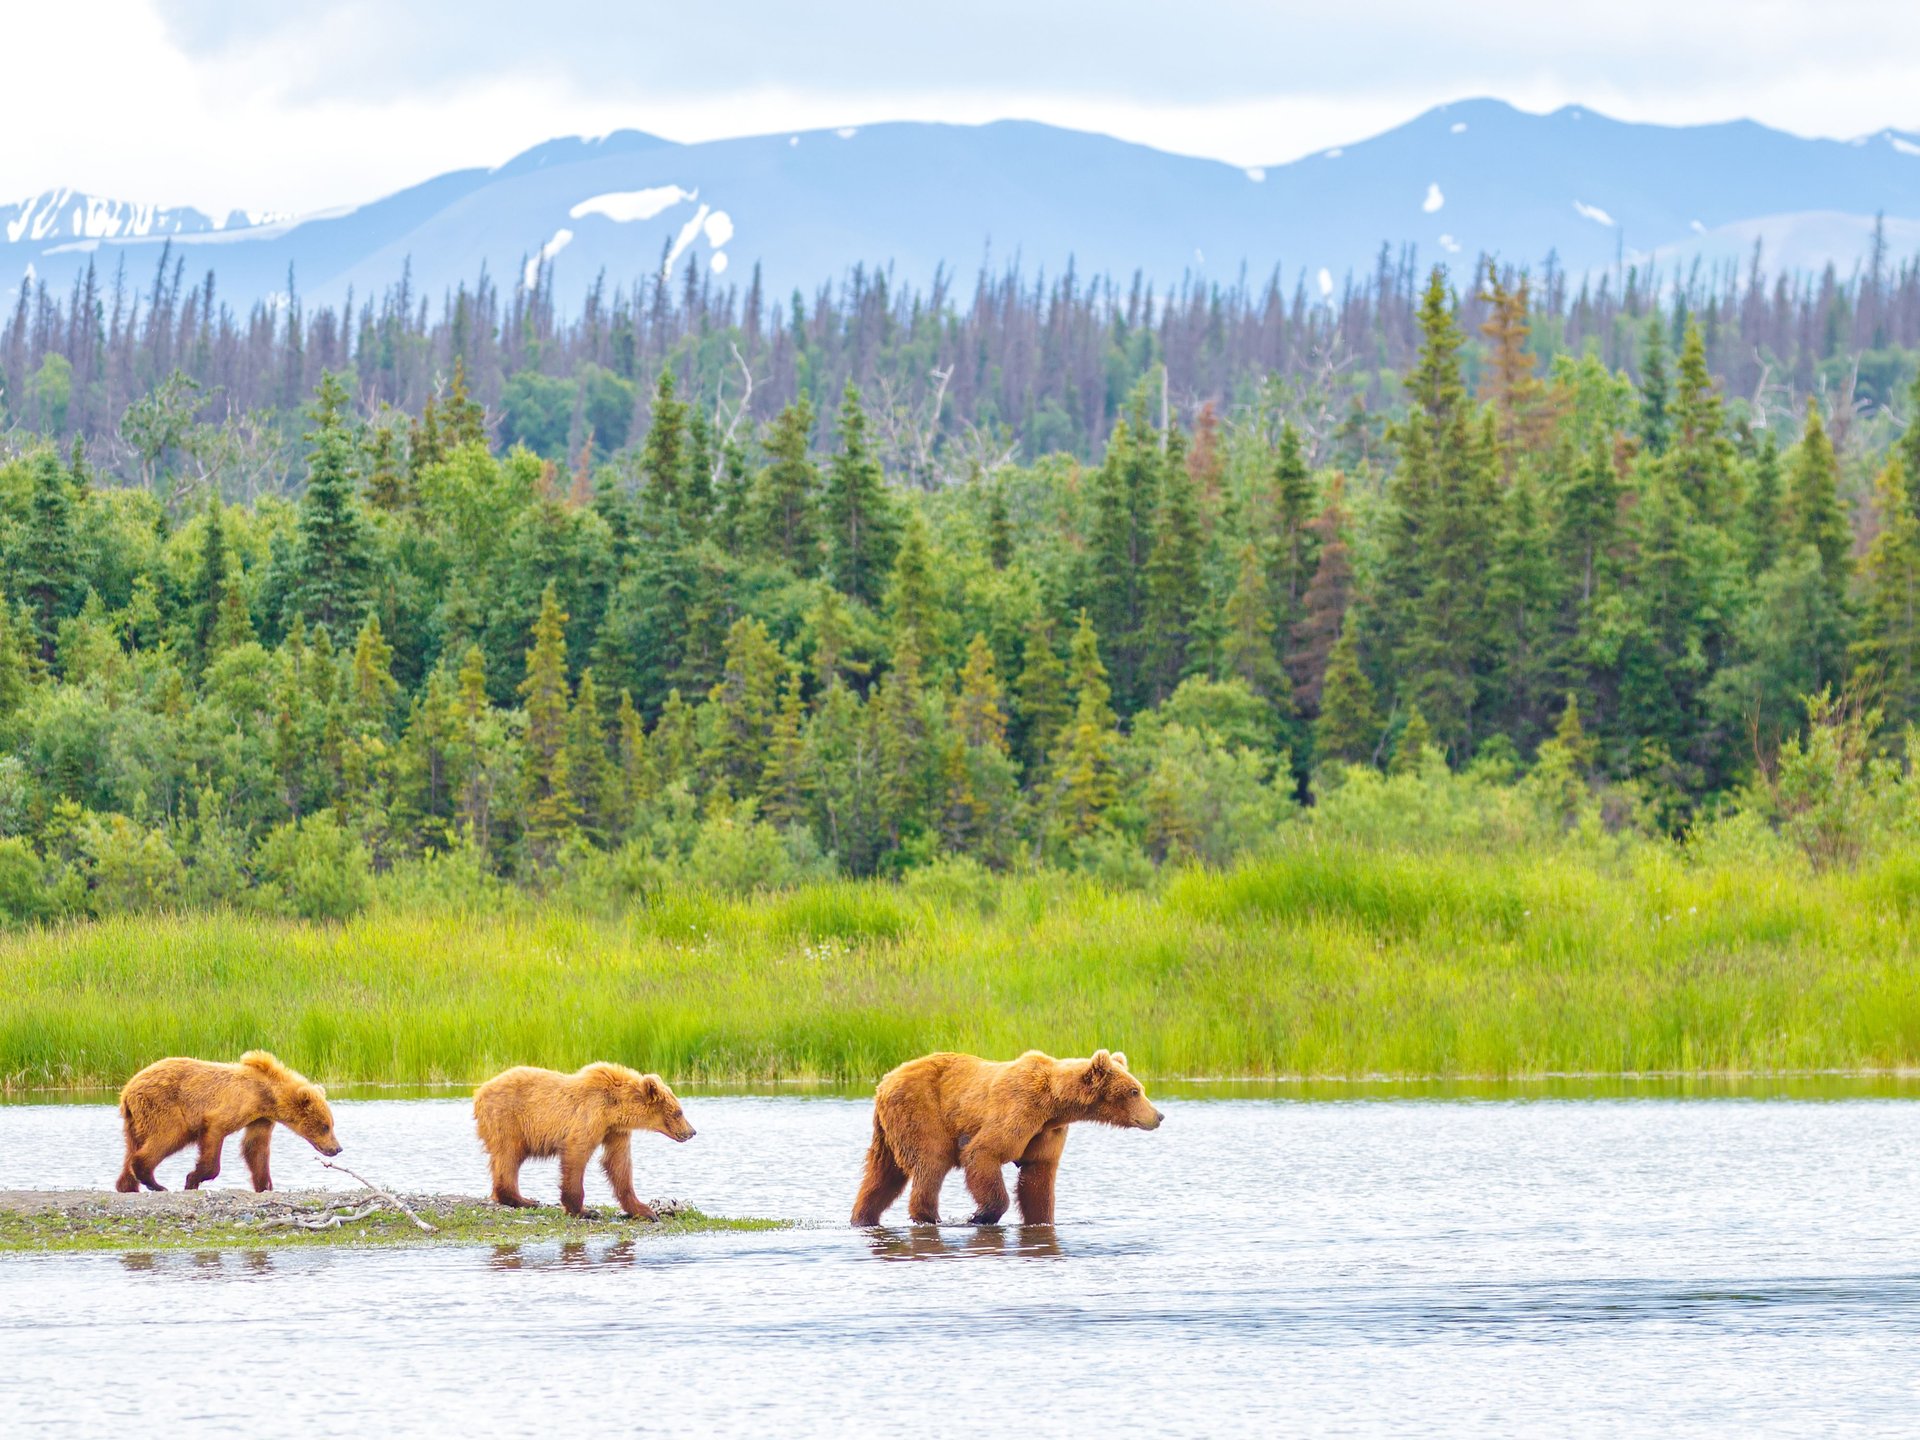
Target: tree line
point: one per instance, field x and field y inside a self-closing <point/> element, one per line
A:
<point x="741" y="650"/>
<point x="167" y="376"/>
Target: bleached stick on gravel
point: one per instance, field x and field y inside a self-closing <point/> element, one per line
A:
<point x="386" y="1195"/>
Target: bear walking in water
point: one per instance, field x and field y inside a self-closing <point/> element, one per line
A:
<point x="939" y="1111"/>
<point x="177" y="1102"/>
<point x="526" y="1112"/>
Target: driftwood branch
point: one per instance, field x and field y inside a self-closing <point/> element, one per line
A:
<point x="379" y="1194"/>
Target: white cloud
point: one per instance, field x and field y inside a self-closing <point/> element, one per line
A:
<point x="1594" y="213"/>
<point x="1434" y="199"/>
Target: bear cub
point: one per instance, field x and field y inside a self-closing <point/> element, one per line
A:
<point x="178" y="1102"/>
<point x="526" y="1112"/>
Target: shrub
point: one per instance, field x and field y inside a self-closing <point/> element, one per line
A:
<point x="131" y="868"/>
<point x="314" y="869"/>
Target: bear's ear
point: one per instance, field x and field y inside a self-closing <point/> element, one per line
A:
<point x="1100" y="1064"/>
<point x="652" y="1088"/>
<point x="1120" y="1059"/>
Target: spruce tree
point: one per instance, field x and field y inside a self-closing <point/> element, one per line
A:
<point x="739" y="713"/>
<point x="912" y="603"/>
<point x="1700" y="456"/>
<point x="784" y="781"/>
<point x="1085" y="782"/>
<point x="1175" y="589"/>
<point x="552" y="811"/>
<point x="333" y="557"/>
<point x="210" y="584"/>
<point x="591" y="774"/>
<point x="1760" y="515"/>
<point x="1411" y="749"/>
<point x="663" y="462"/>
<point x="1887" y="653"/>
<point x="1040" y="695"/>
<point x="978" y="715"/>
<point x="1910" y="443"/>
<point x="1656" y="426"/>
<point x="1814" y="513"/>
<point x="1295" y="544"/>
<point x="1323" y="609"/>
<point x="45" y="559"/>
<point x="786" y="495"/>
<point x="999" y="528"/>
<point x="1348" y="727"/>
<point x="1247" y="647"/>
<point x="862" y="529"/>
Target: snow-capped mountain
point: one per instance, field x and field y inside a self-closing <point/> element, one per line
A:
<point x="1463" y="178"/>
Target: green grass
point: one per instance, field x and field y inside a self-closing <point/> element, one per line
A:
<point x="1319" y="961"/>
<point x="462" y="1223"/>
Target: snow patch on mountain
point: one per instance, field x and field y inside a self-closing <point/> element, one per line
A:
<point x="562" y="238"/>
<point x="1434" y="198"/>
<point x="623" y="206"/>
<point x="687" y="235"/>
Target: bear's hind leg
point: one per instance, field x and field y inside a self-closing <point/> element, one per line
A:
<point x="988" y="1189"/>
<point x="207" y="1167"/>
<point x="573" y="1180"/>
<point x="255" y="1148"/>
<point x="882" y="1183"/>
<point x="616" y="1157"/>
<point x="923" y="1205"/>
<point x="129" y="1180"/>
<point x="506" y="1178"/>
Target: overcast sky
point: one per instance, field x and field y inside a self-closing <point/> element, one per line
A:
<point x="304" y="104"/>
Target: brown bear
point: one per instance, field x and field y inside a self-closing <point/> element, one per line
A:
<point x="940" y="1111"/>
<point x="526" y="1112"/>
<point x="178" y="1102"/>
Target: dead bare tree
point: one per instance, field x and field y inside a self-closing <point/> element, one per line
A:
<point x="740" y="411"/>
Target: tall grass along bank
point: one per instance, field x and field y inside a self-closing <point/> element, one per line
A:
<point x="1324" y="960"/>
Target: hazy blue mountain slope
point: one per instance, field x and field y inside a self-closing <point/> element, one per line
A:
<point x="1477" y="175"/>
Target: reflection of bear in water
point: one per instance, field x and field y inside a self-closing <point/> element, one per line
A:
<point x="1038" y="1242"/>
<point x="939" y="1111"/>
<point x="175" y="1103"/>
<point x="524" y="1112"/>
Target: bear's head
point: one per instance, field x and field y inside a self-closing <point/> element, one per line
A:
<point x="310" y="1117"/>
<point x="1112" y="1096"/>
<point x="299" y="1104"/>
<point x="643" y="1102"/>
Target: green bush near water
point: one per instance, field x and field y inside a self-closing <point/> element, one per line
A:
<point x="1332" y="956"/>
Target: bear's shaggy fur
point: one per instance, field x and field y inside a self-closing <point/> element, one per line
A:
<point x="177" y="1102"/>
<point x="940" y="1111"/>
<point x="526" y="1112"/>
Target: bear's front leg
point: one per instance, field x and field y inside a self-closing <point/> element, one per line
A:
<point x="1039" y="1167"/>
<point x="616" y="1157"/>
<point x="207" y="1167"/>
<point x="984" y="1183"/>
<point x="254" y="1147"/>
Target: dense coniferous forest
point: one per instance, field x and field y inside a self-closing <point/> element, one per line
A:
<point x="158" y="373"/>
<point x="754" y="646"/>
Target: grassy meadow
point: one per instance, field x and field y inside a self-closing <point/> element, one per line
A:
<point x="1318" y="961"/>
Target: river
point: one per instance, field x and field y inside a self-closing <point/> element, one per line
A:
<point x="1256" y="1266"/>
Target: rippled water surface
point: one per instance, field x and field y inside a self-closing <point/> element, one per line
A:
<point x="1254" y="1267"/>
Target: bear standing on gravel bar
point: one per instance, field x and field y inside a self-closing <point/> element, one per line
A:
<point x="526" y="1112"/>
<point x="175" y="1103"/>
<point x="940" y="1111"/>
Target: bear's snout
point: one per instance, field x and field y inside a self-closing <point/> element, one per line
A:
<point x="1154" y="1123"/>
<point x="330" y="1149"/>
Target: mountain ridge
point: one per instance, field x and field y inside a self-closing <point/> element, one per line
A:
<point x="912" y="198"/>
